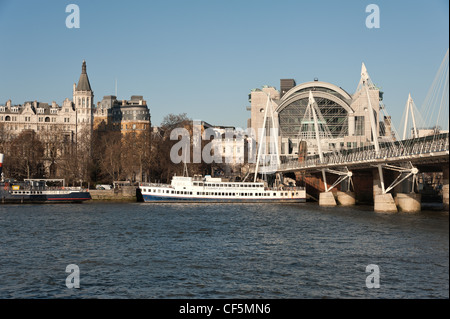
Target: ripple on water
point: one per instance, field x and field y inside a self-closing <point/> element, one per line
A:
<point x="220" y="251"/>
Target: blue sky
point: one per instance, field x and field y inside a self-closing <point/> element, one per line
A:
<point x="203" y="57"/>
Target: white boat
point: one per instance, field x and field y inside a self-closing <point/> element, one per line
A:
<point x="213" y="189"/>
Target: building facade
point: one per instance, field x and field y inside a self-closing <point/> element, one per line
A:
<point x="76" y="118"/>
<point x="344" y="115"/>
<point x="71" y="119"/>
<point x="126" y="116"/>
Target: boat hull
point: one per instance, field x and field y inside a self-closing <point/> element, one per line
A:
<point x="172" y="199"/>
<point x="73" y="197"/>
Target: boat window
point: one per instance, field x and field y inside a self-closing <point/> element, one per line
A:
<point x="195" y="184"/>
<point x="190" y="193"/>
<point x="200" y="184"/>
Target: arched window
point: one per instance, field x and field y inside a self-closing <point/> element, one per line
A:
<point x="8" y="118"/>
<point x="83" y="102"/>
<point x="47" y="119"/>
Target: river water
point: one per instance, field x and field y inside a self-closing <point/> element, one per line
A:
<point x="143" y="250"/>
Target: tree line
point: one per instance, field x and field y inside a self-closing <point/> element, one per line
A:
<point x="97" y="158"/>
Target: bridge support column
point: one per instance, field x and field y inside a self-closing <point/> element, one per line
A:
<point x="383" y="202"/>
<point x="408" y="202"/>
<point x="346" y="198"/>
<point x="327" y="199"/>
<point x="445" y="189"/>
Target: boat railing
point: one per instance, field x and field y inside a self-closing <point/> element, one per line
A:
<point x="155" y="185"/>
<point x="29" y="188"/>
<point x="285" y="188"/>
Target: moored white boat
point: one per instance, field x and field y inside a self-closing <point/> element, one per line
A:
<point x="210" y="189"/>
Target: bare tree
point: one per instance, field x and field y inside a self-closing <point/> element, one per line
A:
<point x="27" y="156"/>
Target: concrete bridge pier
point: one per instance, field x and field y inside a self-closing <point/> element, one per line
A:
<point x="445" y="188"/>
<point x="327" y="199"/>
<point x="345" y="197"/>
<point x="383" y="202"/>
<point x="408" y="202"/>
<point x="406" y="199"/>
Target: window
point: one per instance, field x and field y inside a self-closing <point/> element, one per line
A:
<point x="359" y="125"/>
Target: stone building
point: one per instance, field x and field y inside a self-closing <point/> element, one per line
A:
<point x="70" y="119"/>
<point x="125" y="116"/>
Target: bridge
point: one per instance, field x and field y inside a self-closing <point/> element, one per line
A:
<point x="381" y="160"/>
<point x="424" y="150"/>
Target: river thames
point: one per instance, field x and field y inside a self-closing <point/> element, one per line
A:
<point x="164" y="251"/>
